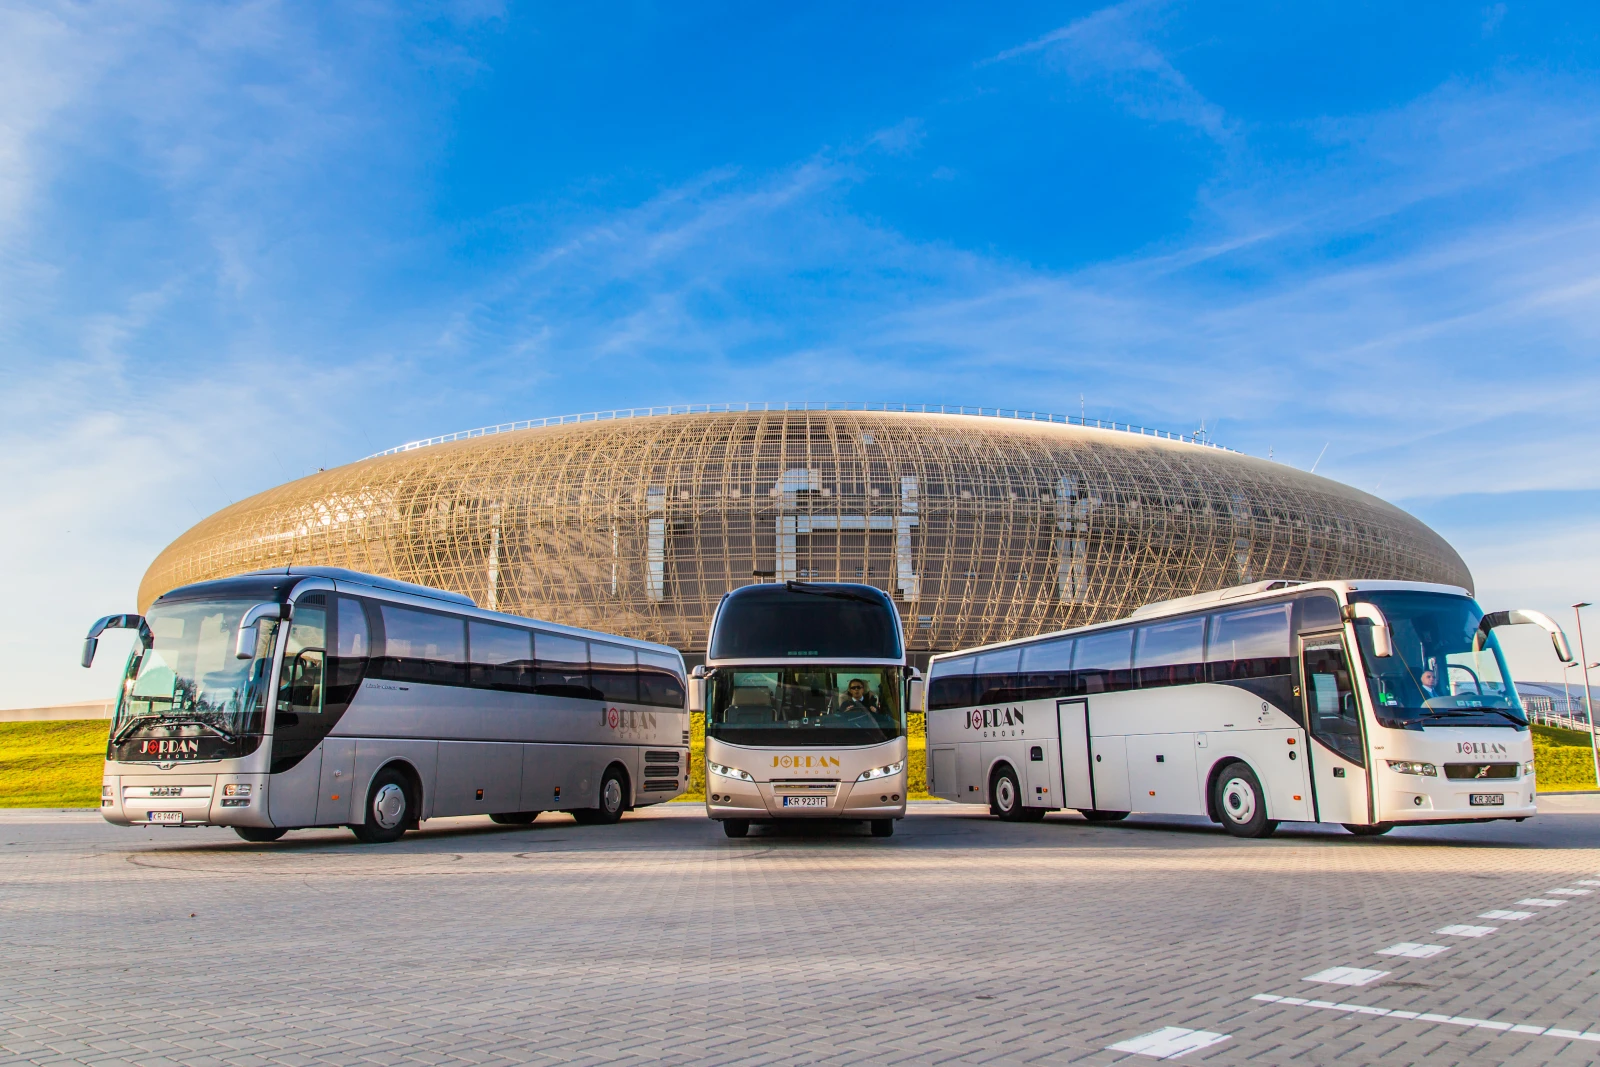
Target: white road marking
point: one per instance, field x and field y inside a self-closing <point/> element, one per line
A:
<point x="1430" y="1017"/>
<point x="1587" y="881"/>
<point x="1569" y="892"/>
<point x="1168" y="1043"/>
<point x="1458" y="930"/>
<point x="1345" y="976"/>
<point x="1508" y="916"/>
<point x="1540" y="902"/>
<point x="1416" y="951"/>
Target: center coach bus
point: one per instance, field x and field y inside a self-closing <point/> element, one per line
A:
<point x="1369" y="704"/>
<point x="314" y="696"/>
<point x="804" y="690"/>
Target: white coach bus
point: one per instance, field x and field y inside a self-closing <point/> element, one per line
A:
<point x="315" y="696"/>
<point x="1369" y="704"/>
<point x="805" y="692"/>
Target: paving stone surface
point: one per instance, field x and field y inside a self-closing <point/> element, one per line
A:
<point x="961" y="940"/>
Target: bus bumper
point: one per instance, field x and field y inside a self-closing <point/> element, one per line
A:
<point x="882" y="798"/>
<point x="182" y="799"/>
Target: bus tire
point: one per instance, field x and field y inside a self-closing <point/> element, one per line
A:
<point x="736" y="827"/>
<point x="514" y="818"/>
<point x="260" y="835"/>
<point x="882" y="827"/>
<point x="1377" y="829"/>
<point x="1034" y="814"/>
<point x="1005" y="794"/>
<point x="1101" y="815"/>
<point x="613" y="799"/>
<point x="1240" y="802"/>
<point x="391" y="809"/>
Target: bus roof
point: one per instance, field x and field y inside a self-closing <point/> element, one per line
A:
<point x="1253" y="591"/>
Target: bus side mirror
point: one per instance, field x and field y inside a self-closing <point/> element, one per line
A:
<point x="249" y="634"/>
<point x="916" y="690"/>
<point x="697" y="690"/>
<point x="114" y="622"/>
<point x="1524" y="616"/>
<point x="1382" y="642"/>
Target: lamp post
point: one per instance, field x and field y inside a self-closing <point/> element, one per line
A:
<point x="1588" y="698"/>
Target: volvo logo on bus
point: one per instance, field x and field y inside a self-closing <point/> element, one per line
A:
<point x="181" y="746"/>
<point x="989" y="718"/>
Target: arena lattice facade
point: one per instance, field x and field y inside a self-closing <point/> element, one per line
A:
<point x="982" y="528"/>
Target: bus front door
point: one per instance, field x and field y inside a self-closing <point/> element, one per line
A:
<point x="1338" y="757"/>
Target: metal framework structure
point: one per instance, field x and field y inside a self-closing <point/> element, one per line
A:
<point x="981" y="528"/>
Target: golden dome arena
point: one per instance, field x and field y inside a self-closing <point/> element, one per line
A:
<point x="982" y="524"/>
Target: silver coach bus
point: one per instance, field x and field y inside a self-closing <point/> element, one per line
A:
<point x="805" y="692"/>
<point x="316" y="696"/>
<point x="1365" y="703"/>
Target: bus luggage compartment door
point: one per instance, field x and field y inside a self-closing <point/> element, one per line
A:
<point x="1162" y="775"/>
<point x="335" y="802"/>
<point x="942" y="773"/>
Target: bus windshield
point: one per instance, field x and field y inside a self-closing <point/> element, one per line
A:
<point x="805" y="619"/>
<point x="189" y="690"/>
<point x="1435" y="677"/>
<point x="814" y="704"/>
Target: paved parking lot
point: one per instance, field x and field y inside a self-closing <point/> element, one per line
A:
<point x="959" y="940"/>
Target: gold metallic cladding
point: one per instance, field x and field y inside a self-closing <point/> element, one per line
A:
<point x="983" y="530"/>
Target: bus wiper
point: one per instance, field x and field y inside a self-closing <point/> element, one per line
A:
<point x="163" y="720"/>
<point x="838" y="594"/>
<point x="1457" y="713"/>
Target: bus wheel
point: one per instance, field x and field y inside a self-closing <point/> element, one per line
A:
<point x="882" y="827"/>
<point x="1034" y="814"/>
<point x="1375" y="830"/>
<point x="736" y="827"/>
<point x="1005" y="795"/>
<point x="260" y="835"/>
<point x="514" y="818"/>
<point x="390" y="809"/>
<point x="1096" y="815"/>
<point x="1240" y="802"/>
<point x="613" y="800"/>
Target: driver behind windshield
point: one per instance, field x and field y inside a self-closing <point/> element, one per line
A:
<point x="857" y="699"/>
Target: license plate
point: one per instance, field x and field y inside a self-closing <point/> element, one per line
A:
<point x="1485" y="799"/>
<point x="175" y="817"/>
<point x="805" y="802"/>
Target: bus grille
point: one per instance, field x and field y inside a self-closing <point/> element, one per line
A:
<point x="660" y="756"/>
<point x="660" y="785"/>
<point x="1461" y="771"/>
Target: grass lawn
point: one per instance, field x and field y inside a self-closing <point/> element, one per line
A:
<point x="52" y="764"/>
<point x="1562" y="759"/>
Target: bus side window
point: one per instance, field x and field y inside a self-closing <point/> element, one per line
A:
<point x="1249" y="648"/>
<point x="1319" y="612"/>
<point x="660" y="683"/>
<point x="499" y="657"/>
<point x="1171" y="653"/>
<point x="563" y="666"/>
<point x="613" y="670"/>
<point x="300" y="686"/>
<point x="423" y="646"/>
<point x="995" y="679"/>
<point x="951" y="684"/>
<point x="1047" y="668"/>
<point x="1102" y="663"/>
<point x="352" y="644"/>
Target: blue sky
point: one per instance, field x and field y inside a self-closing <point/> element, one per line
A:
<point x="242" y="241"/>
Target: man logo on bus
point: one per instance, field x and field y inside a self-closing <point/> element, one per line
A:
<point x="805" y="762"/>
<point x="988" y="718"/>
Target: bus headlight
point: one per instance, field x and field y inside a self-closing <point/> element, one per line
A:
<point x="1527" y="768"/>
<point x="728" y="772"/>
<point x="882" y="772"/>
<point x="236" y="789"/>
<point x="1406" y="766"/>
